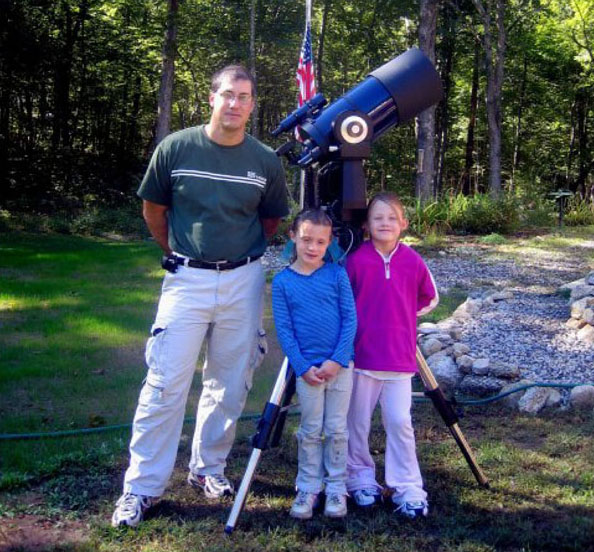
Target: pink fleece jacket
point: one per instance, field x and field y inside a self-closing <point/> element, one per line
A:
<point x="389" y="295"/>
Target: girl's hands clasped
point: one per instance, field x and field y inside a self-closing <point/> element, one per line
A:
<point x="327" y="371"/>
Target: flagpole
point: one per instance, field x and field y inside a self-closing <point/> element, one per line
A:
<point x="307" y="87"/>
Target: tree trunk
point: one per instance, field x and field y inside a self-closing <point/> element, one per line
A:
<point x="449" y="45"/>
<point x="63" y="74"/>
<point x="255" y="116"/>
<point x="518" y="131"/>
<point x="494" y="61"/>
<point x="585" y="160"/>
<point x="165" y="100"/>
<point x="468" y="159"/>
<point x="425" y="179"/>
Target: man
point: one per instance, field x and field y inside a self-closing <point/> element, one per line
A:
<point x="211" y="195"/>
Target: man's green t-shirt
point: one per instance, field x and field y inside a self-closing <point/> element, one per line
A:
<point x="216" y="194"/>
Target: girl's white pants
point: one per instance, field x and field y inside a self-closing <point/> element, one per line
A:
<point x="402" y="471"/>
<point x="224" y="308"/>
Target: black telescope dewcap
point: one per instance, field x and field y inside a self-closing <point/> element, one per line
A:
<point x="392" y="94"/>
<point x="412" y="81"/>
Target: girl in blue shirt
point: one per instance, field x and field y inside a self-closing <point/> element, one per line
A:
<point x="314" y="314"/>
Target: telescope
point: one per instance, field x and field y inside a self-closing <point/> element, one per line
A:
<point x="337" y="138"/>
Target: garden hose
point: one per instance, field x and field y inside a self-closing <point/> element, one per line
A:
<point x="90" y="430"/>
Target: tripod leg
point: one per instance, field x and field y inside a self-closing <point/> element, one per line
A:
<point x="270" y="422"/>
<point x="450" y="418"/>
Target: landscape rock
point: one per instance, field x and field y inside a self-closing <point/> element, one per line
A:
<point x="469" y="308"/>
<point x="460" y="349"/>
<point x="452" y="327"/>
<point x="554" y="399"/>
<point x="480" y="366"/>
<point x="427" y="328"/>
<point x="465" y="363"/>
<point x="501" y="296"/>
<point x="575" y="323"/>
<point x="534" y="400"/>
<point x="582" y="397"/>
<point x="581" y="291"/>
<point x="566" y="288"/>
<point x="430" y="346"/>
<point x="586" y="334"/>
<point x="503" y="370"/>
<point x="578" y="307"/>
<point x="445" y="338"/>
<point x="512" y="400"/>
<point x="446" y="372"/>
<point x="588" y="316"/>
<point x="589" y="279"/>
<point x="480" y="385"/>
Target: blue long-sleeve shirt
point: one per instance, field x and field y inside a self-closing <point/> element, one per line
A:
<point x="315" y="316"/>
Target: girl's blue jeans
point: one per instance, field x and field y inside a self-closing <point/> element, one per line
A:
<point x="322" y="438"/>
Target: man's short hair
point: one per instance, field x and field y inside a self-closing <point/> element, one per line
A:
<point x="234" y="72"/>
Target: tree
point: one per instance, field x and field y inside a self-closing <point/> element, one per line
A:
<point x="494" y="49"/>
<point x="163" y="126"/>
<point x="425" y="180"/>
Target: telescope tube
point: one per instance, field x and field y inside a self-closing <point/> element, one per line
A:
<point x="392" y="94"/>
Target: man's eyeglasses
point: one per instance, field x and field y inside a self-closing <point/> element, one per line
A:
<point x="229" y="97"/>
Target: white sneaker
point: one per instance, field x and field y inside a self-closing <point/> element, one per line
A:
<point x="130" y="509"/>
<point x="336" y="506"/>
<point x="364" y="498"/>
<point x="412" y="509"/>
<point x="214" y="485"/>
<point x="303" y="505"/>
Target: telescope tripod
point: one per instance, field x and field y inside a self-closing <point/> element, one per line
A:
<point x="272" y="422"/>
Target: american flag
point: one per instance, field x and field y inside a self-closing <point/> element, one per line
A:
<point x="305" y="70"/>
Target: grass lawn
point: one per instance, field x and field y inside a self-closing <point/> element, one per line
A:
<point x="74" y="316"/>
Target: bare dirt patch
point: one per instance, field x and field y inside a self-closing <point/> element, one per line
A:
<point x="39" y="534"/>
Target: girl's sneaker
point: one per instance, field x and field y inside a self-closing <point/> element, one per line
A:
<point x="364" y="498"/>
<point x="303" y="505"/>
<point x="336" y="506"/>
<point x="412" y="509"/>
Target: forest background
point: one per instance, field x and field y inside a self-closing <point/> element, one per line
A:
<point x="88" y="87"/>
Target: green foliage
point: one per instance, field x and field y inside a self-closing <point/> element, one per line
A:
<point x="94" y="220"/>
<point x="493" y="239"/>
<point x="482" y="214"/>
<point x="428" y="218"/>
<point x="579" y="212"/>
<point x="478" y="214"/>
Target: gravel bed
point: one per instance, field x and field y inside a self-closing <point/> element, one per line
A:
<point x="529" y="330"/>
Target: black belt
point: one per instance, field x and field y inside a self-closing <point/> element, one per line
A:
<point x="215" y="265"/>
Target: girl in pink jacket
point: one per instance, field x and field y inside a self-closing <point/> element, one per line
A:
<point x="392" y="286"/>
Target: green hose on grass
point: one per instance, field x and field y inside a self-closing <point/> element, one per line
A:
<point x="90" y="430"/>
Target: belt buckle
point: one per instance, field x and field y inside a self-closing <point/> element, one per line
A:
<point x="219" y="263"/>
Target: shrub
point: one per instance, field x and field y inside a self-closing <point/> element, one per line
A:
<point x="493" y="239"/>
<point x="536" y="210"/>
<point x="579" y="212"/>
<point x="482" y="214"/>
<point x="428" y="218"/>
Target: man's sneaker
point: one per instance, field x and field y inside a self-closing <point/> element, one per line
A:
<point x="336" y="506"/>
<point x="412" y="510"/>
<point x="303" y="505"/>
<point x="214" y="485"/>
<point x="130" y="509"/>
<point x="364" y="498"/>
